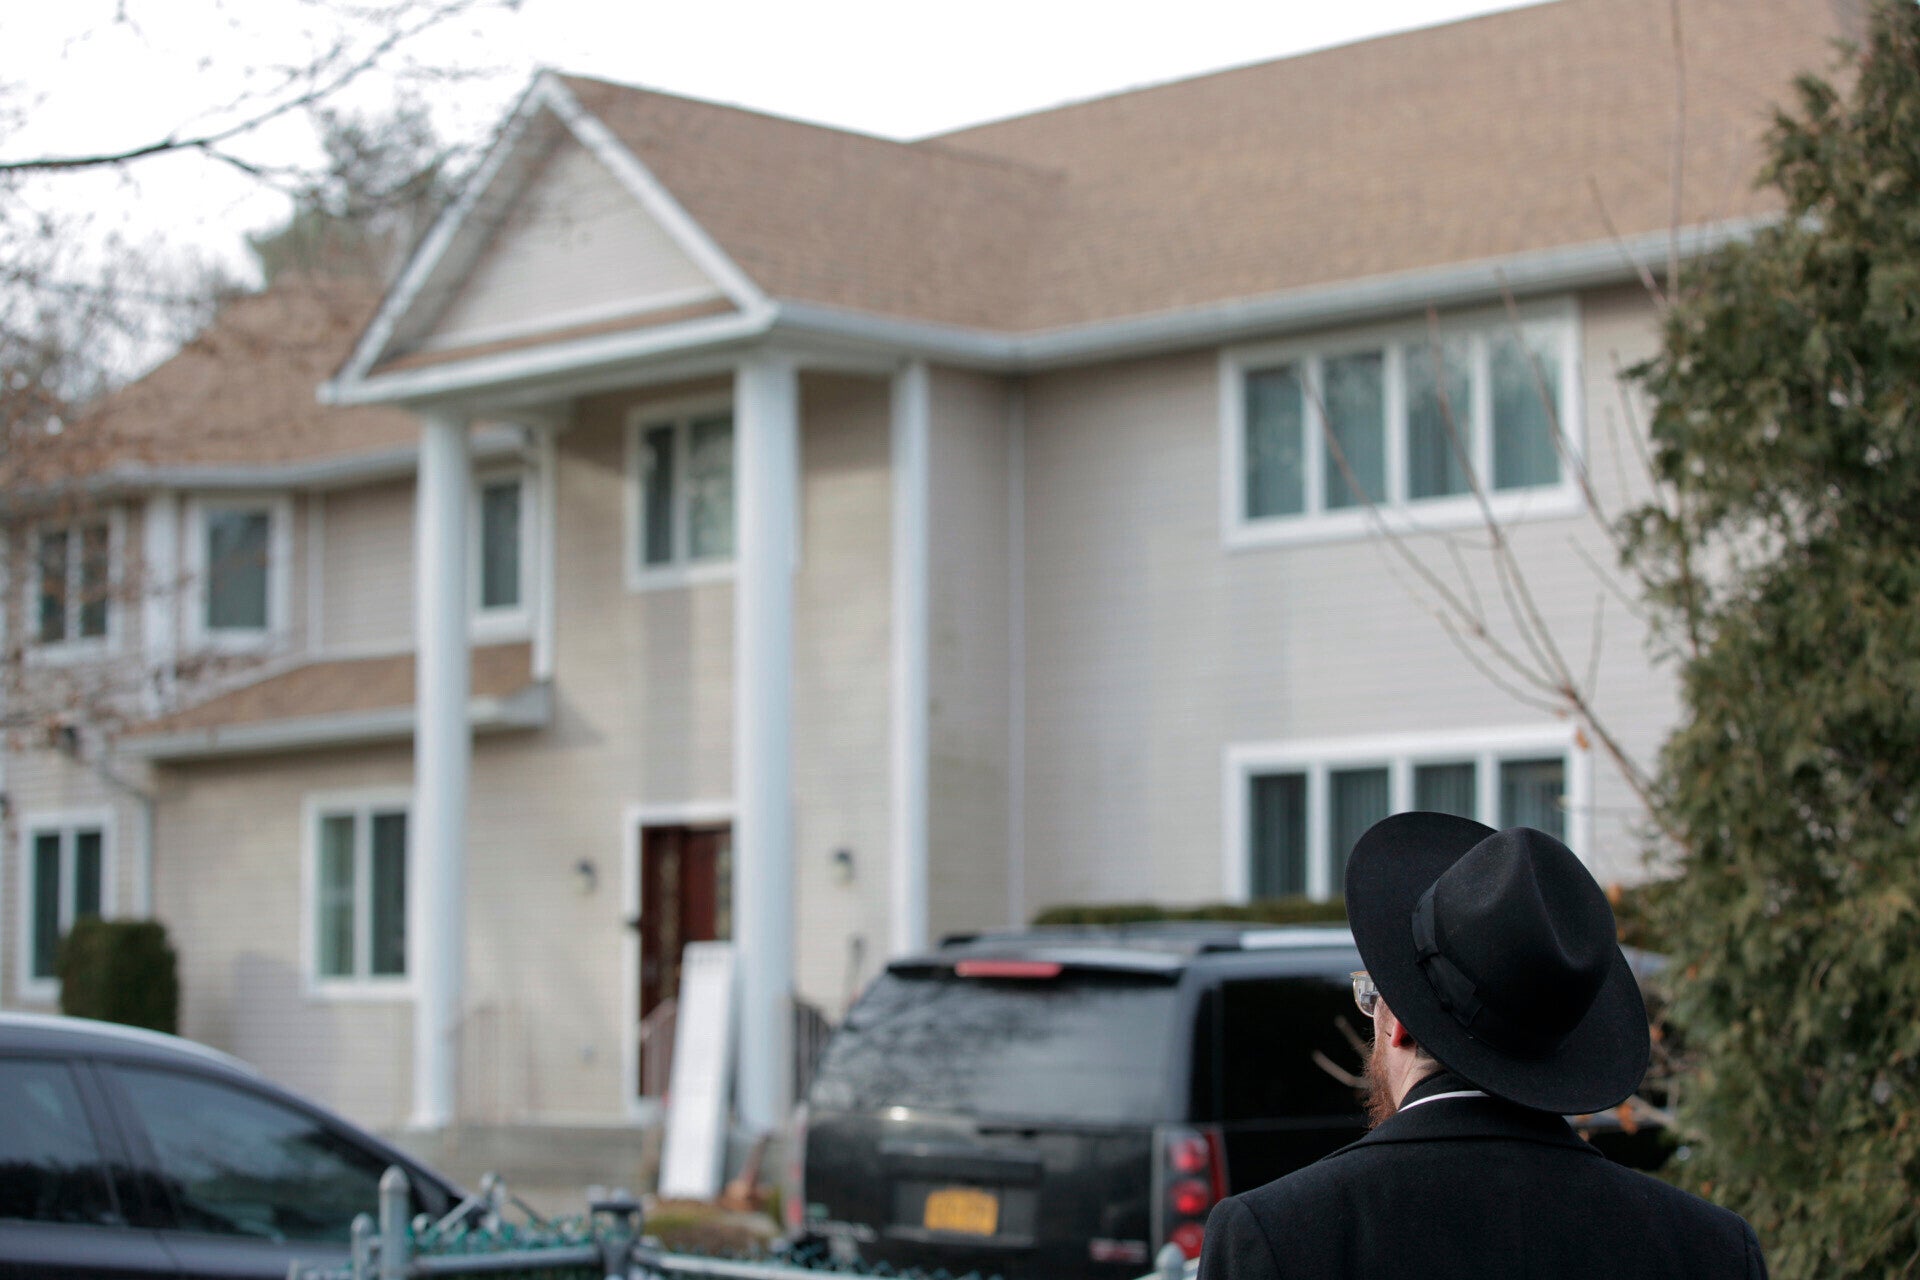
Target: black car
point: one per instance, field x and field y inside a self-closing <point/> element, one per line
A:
<point x="130" y="1153"/>
<point x="1062" y="1103"/>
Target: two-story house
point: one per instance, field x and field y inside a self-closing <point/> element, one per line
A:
<point x="729" y="525"/>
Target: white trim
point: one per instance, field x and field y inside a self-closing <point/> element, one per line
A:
<point x="1394" y="511"/>
<point x="1441" y="1097"/>
<point x="279" y="509"/>
<point x="692" y="239"/>
<point x="64" y="822"/>
<point x="554" y="322"/>
<point x="910" y="468"/>
<point x="1399" y="753"/>
<point x="316" y="572"/>
<point x="419" y="269"/>
<point x="679" y="571"/>
<point x="76" y="648"/>
<point x="546" y="581"/>
<point x="360" y="804"/>
<point x="635" y="818"/>
<point x="160" y="595"/>
<point x="1017" y="657"/>
<point x="503" y="622"/>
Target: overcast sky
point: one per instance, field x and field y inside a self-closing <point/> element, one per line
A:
<point x="882" y="66"/>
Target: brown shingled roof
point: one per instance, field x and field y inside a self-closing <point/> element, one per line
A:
<point x="243" y="392"/>
<point x="341" y="687"/>
<point x="1518" y="131"/>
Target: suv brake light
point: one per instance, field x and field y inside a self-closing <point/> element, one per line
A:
<point x="1190" y="1177"/>
<point x="1007" y="969"/>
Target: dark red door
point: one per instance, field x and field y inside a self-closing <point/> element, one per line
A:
<point x="686" y="895"/>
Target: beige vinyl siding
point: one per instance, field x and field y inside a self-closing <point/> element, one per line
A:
<point x="969" y="653"/>
<point x="366" y="559"/>
<point x="1152" y="648"/>
<point x="841" y="665"/>
<point x="576" y="247"/>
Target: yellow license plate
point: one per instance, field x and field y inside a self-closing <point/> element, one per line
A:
<point x="963" y="1210"/>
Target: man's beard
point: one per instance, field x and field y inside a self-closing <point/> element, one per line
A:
<point x="1380" y="1101"/>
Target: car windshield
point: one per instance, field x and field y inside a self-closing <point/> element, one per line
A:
<point x="1083" y="1047"/>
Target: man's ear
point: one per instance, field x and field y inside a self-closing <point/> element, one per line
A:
<point x="1397" y="1034"/>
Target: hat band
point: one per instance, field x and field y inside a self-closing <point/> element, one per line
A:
<point x="1460" y="997"/>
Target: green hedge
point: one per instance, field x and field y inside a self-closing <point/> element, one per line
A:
<point x="120" y="971"/>
<point x="1262" y="911"/>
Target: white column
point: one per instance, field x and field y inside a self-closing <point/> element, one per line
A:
<point x="767" y="450"/>
<point x="160" y="595"/>
<point x="546" y="522"/>
<point x="907" y="879"/>
<point x="442" y="759"/>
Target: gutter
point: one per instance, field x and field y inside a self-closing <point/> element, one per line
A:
<point x="530" y="707"/>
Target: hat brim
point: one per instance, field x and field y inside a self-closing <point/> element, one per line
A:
<point x="1597" y="1066"/>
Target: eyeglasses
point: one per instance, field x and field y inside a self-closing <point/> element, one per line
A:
<point x="1365" y="994"/>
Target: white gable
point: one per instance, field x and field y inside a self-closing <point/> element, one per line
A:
<point x="575" y="248"/>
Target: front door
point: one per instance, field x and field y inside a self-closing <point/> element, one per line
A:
<point x="686" y="895"/>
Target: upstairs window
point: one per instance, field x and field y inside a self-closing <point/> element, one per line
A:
<point x="1301" y="809"/>
<point x="1401" y="420"/>
<point x="72" y="583"/>
<point x="682" y="476"/>
<point x="238" y="549"/>
<point x="502" y="552"/>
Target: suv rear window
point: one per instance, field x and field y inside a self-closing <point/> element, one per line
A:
<point x="1084" y="1047"/>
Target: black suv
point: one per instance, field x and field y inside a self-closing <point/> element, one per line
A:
<point x="129" y="1153"/>
<point x="1063" y="1102"/>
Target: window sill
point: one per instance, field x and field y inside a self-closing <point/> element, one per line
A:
<point x="63" y="653"/>
<point x="359" y="990"/>
<point x="671" y="576"/>
<point x="1513" y="506"/>
<point x="496" y="626"/>
<point x="39" y="991"/>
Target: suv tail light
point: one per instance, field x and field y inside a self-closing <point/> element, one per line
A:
<point x="1189" y="1178"/>
<point x="793" y="1186"/>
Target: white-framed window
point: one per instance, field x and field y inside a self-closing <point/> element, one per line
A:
<point x="680" y="509"/>
<point x="239" y="560"/>
<point x="1294" y="810"/>
<point x="1400" y="418"/>
<point x="72" y="575"/>
<point x="358" y="880"/>
<point x="66" y="873"/>
<point x="502" y="552"/>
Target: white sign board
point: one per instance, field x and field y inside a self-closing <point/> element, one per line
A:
<point x="698" y="1086"/>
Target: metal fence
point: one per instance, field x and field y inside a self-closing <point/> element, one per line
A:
<point x="609" y="1243"/>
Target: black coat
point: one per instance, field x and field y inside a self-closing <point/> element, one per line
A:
<point x="1473" y="1187"/>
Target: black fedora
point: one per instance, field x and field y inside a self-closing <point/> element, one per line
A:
<point x="1498" y="952"/>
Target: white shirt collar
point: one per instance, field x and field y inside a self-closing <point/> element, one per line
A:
<point x="1437" y="1097"/>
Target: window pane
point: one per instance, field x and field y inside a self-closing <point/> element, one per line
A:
<point x="334" y="928"/>
<point x="50" y="1167"/>
<point x="46" y="902"/>
<point x="1279" y="834"/>
<point x="94" y="550"/>
<point x="1359" y="799"/>
<point x="1357" y="419"/>
<point x="656" y="496"/>
<point x="1446" y="788"/>
<point x="389" y="915"/>
<point x="1276" y="443"/>
<point x="1438" y="427"/>
<point x="241" y="1165"/>
<point x="52" y="622"/>
<point x="1531" y="795"/>
<point x="710" y="488"/>
<point x="1269" y="1031"/>
<point x="500" y="545"/>
<point x="86" y="873"/>
<point x="1523" y="398"/>
<point x="237" y="570"/>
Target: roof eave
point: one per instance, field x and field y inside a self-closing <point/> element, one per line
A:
<point x="530" y="707"/>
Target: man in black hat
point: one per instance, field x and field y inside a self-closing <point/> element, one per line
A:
<point x="1500" y="1002"/>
